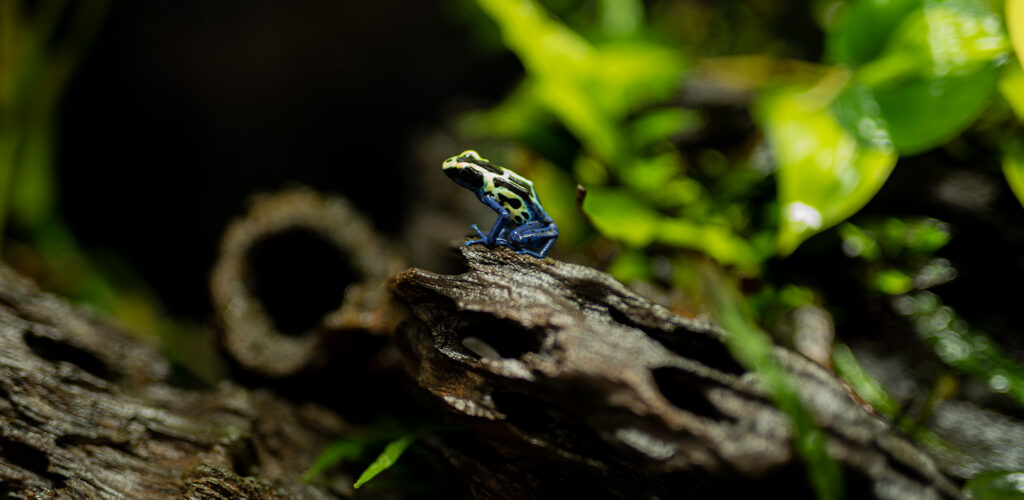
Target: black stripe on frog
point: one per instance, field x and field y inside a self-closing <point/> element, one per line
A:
<point x="467" y="177"/>
<point x="514" y="187"/>
<point x="482" y="163"/>
<point x="512" y="202"/>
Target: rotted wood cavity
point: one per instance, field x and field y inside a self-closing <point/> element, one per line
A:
<point x="297" y="269"/>
<point x="582" y="382"/>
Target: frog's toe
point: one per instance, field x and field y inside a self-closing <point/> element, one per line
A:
<point x="473" y="242"/>
<point x="530" y="253"/>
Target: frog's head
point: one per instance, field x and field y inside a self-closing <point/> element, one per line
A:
<point x="469" y="170"/>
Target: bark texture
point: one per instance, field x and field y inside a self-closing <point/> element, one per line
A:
<point x="577" y="383"/>
<point x="568" y="383"/>
<point x="86" y="412"/>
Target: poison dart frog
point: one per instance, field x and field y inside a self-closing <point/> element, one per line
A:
<point x="522" y="223"/>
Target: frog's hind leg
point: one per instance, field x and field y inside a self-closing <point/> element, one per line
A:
<point x="529" y="236"/>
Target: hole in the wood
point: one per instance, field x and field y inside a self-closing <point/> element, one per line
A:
<point x="298" y="276"/>
<point x="490" y="337"/>
<point x="53" y="350"/>
<point x="697" y="346"/>
<point x="686" y="391"/>
<point x="29" y="458"/>
<point x="693" y="345"/>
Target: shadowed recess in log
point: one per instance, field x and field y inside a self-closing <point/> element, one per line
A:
<point x="687" y="392"/>
<point x="298" y="276"/>
<point x="491" y="337"/>
<point x="56" y="351"/>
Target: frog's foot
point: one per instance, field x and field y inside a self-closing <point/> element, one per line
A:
<point x="498" y="242"/>
<point x="531" y="252"/>
<point x="479" y="232"/>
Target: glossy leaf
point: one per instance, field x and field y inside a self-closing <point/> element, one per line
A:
<point x="931" y="80"/>
<point x="825" y="174"/>
<point x="386" y="459"/>
<point x="996" y="485"/>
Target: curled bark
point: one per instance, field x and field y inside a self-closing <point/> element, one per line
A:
<point x="579" y="380"/>
<point x="286" y="242"/>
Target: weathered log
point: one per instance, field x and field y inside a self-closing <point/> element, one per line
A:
<point x="575" y="384"/>
<point x="87" y="412"/>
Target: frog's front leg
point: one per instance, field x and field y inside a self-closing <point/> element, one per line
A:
<point x="492" y="237"/>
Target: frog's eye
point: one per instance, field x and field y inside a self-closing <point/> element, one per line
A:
<point x="468" y="177"/>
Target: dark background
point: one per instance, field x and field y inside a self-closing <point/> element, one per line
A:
<point x="181" y="110"/>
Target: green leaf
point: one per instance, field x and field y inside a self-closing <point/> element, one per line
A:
<point x="1013" y="169"/>
<point x="864" y="28"/>
<point x="1011" y="86"/>
<point x="859" y="243"/>
<point x="386" y="459"/>
<point x="621" y="215"/>
<point x="631" y="265"/>
<point x="589" y="89"/>
<point x="925" y="114"/>
<point x="621" y="17"/>
<point x="825" y="174"/>
<point x="893" y="282"/>
<point x="343" y="449"/>
<point x="996" y="485"/>
<point x="866" y="385"/>
<point x="716" y="240"/>
<point x="932" y="79"/>
<point x="1015" y="24"/>
<point x="660" y="125"/>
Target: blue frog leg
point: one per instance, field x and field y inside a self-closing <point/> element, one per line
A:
<point x="496" y="229"/>
<point x="528" y="237"/>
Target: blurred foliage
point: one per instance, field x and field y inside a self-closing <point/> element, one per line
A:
<point x="41" y="45"/>
<point x="996" y="485"/>
<point x="753" y="348"/>
<point x="624" y="98"/>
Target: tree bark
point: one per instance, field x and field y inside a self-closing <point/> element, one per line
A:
<point x="87" y="412"/>
<point x="573" y="383"/>
<point x="568" y="383"/>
